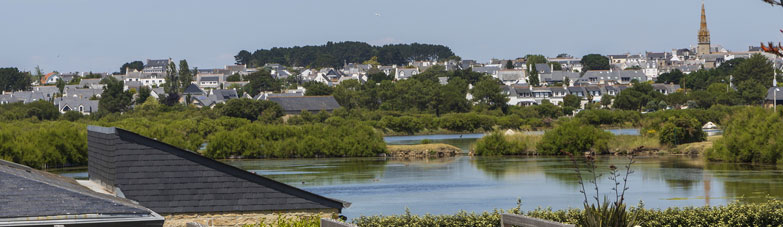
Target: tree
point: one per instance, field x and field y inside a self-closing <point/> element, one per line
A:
<point x="60" y="85"/>
<point x="509" y="65"/>
<point x="757" y="68"/>
<point x="680" y="130"/>
<point x="171" y="87"/>
<point x="573" y="137"/>
<point x="532" y="59"/>
<point x="313" y="88"/>
<point x="675" y="76"/>
<point x="752" y="92"/>
<point x="572" y="101"/>
<point x="488" y="92"/>
<point x="373" y="61"/>
<point x="114" y="99"/>
<point x="144" y="93"/>
<point x="556" y="66"/>
<point x="533" y="79"/>
<point x="243" y="57"/>
<point x="11" y="79"/>
<point x="134" y="65"/>
<point x="595" y="62"/>
<point x="234" y="77"/>
<point x="348" y="94"/>
<point x="185" y="75"/>
<point x="261" y="81"/>
<point x="251" y="109"/>
<point x="564" y="55"/>
<point x="606" y="100"/>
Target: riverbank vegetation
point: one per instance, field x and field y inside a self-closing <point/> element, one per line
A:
<point x="751" y="135"/>
<point x="425" y="150"/>
<point x="734" y="214"/>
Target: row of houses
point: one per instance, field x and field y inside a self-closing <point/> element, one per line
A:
<point x="524" y="95"/>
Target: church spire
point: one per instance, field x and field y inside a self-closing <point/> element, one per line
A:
<point x="704" y="33"/>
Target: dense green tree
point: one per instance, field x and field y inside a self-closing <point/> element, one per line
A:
<point x="671" y="77"/>
<point x="680" y="130"/>
<point x="488" y="92"/>
<point x="72" y="116"/>
<point x="556" y="66"/>
<point x="234" y="77"/>
<point x="316" y="89"/>
<point x="60" y="85"/>
<point x="606" y="100"/>
<point x="251" y="109"/>
<point x="533" y="79"/>
<point x="134" y="65"/>
<point x="572" y="101"/>
<point x="637" y="97"/>
<point x="185" y="75"/>
<point x="752" y="92"/>
<point x="758" y="68"/>
<point x="751" y="135"/>
<point x="114" y="99"/>
<point x="348" y="94"/>
<point x="335" y="54"/>
<point x="533" y="59"/>
<point x="574" y="137"/>
<point x="144" y="93"/>
<point x="11" y="79"/>
<point x="595" y="62"/>
<point x="379" y="76"/>
<point x="261" y="81"/>
<point x="509" y="64"/>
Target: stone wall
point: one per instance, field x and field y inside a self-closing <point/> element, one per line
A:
<point x="243" y="218"/>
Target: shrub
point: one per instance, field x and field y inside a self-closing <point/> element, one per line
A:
<point x="72" y="116"/>
<point x="497" y="143"/>
<point x="679" y="130"/>
<point x="573" y="137"/>
<point x="752" y="135"/>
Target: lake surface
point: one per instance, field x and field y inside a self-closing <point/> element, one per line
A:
<point x="385" y="186"/>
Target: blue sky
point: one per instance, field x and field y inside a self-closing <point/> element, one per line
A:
<point x="92" y="35"/>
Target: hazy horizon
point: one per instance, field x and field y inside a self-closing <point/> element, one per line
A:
<point x="99" y="36"/>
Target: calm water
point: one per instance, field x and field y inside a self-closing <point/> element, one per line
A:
<point x="442" y="186"/>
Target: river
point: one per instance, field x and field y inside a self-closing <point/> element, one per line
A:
<point x="383" y="186"/>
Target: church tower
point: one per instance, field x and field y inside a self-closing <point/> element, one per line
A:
<point x="704" y="34"/>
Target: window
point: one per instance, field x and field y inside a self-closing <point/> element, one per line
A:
<point x="81" y="109"/>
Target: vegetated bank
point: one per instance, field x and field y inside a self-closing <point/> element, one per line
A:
<point x="423" y="150"/>
<point x="734" y="214"/>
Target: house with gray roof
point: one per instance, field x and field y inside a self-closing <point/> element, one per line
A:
<point x="512" y="76"/>
<point x="31" y="197"/>
<point x="185" y="186"/>
<point x="193" y="90"/>
<point x="405" y="73"/>
<point x="156" y="66"/>
<point x="559" y="77"/>
<point x="774" y="97"/>
<point x="84" y="106"/>
<point x="209" y="82"/>
<point x="543" y="68"/>
<point x="666" y="89"/>
<point x="490" y="70"/>
<point x="313" y="104"/>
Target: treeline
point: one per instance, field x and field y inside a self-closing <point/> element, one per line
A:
<point x="11" y="79"/>
<point x="751" y="135"/>
<point x="336" y="54"/>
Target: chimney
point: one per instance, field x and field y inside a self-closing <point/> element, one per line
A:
<point x="551" y="67"/>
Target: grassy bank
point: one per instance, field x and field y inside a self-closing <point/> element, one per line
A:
<point x="522" y="144"/>
<point x="768" y="213"/>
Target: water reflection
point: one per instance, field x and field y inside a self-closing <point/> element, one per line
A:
<point x="315" y="172"/>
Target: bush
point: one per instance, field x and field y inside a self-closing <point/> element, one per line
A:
<point x="679" y="130"/>
<point x="406" y="124"/>
<point x="752" y="135"/>
<point x="574" y="137"/>
<point x="497" y="143"/>
<point x="769" y="213"/>
<point x="72" y="116"/>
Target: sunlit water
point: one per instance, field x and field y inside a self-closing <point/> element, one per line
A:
<point x="386" y="186"/>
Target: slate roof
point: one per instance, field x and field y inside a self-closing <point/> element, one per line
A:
<point x="543" y="68"/>
<point x="771" y="95"/>
<point x="210" y="78"/>
<point x="295" y="105"/>
<point x="171" y="180"/>
<point x="29" y="195"/>
<point x="157" y="63"/>
<point x="193" y="89"/>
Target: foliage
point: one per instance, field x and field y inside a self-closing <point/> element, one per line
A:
<point x="251" y="109"/>
<point x="72" y="116"/>
<point x="751" y="135"/>
<point x="261" y="81"/>
<point x="45" y="144"/>
<point x="572" y="101"/>
<point x="114" y="99"/>
<point x="496" y="143"/>
<point x="335" y="54"/>
<point x="609" y="117"/>
<point x="680" y="130"/>
<point x="234" y="77"/>
<point x="316" y="89"/>
<point x="595" y="62"/>
<point x="574" y="137"/>
<point x="135" y="65"/>
<point x="11" y="79"/>
<point x="509" y="65"/>
<point x="637" y="97"/>
<point x="60" y="84"/>
<point x="257" y="140"/>
<point x="671" y="77"/>
<point x="488" y="92"/>
<point x="185" y="74"/>
<point x="282" y="221"/>
<point x="144" y="93"/>
<point x="734" y="214"/>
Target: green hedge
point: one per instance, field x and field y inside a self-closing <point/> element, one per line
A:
<point x="752" y="135"/>
<point x="769" y="213"/>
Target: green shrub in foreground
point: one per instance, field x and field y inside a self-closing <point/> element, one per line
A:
<point x="574" y="137"/>
<point x="769" y="213"/>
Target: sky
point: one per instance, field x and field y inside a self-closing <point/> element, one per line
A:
<point x="101" y="35"/>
